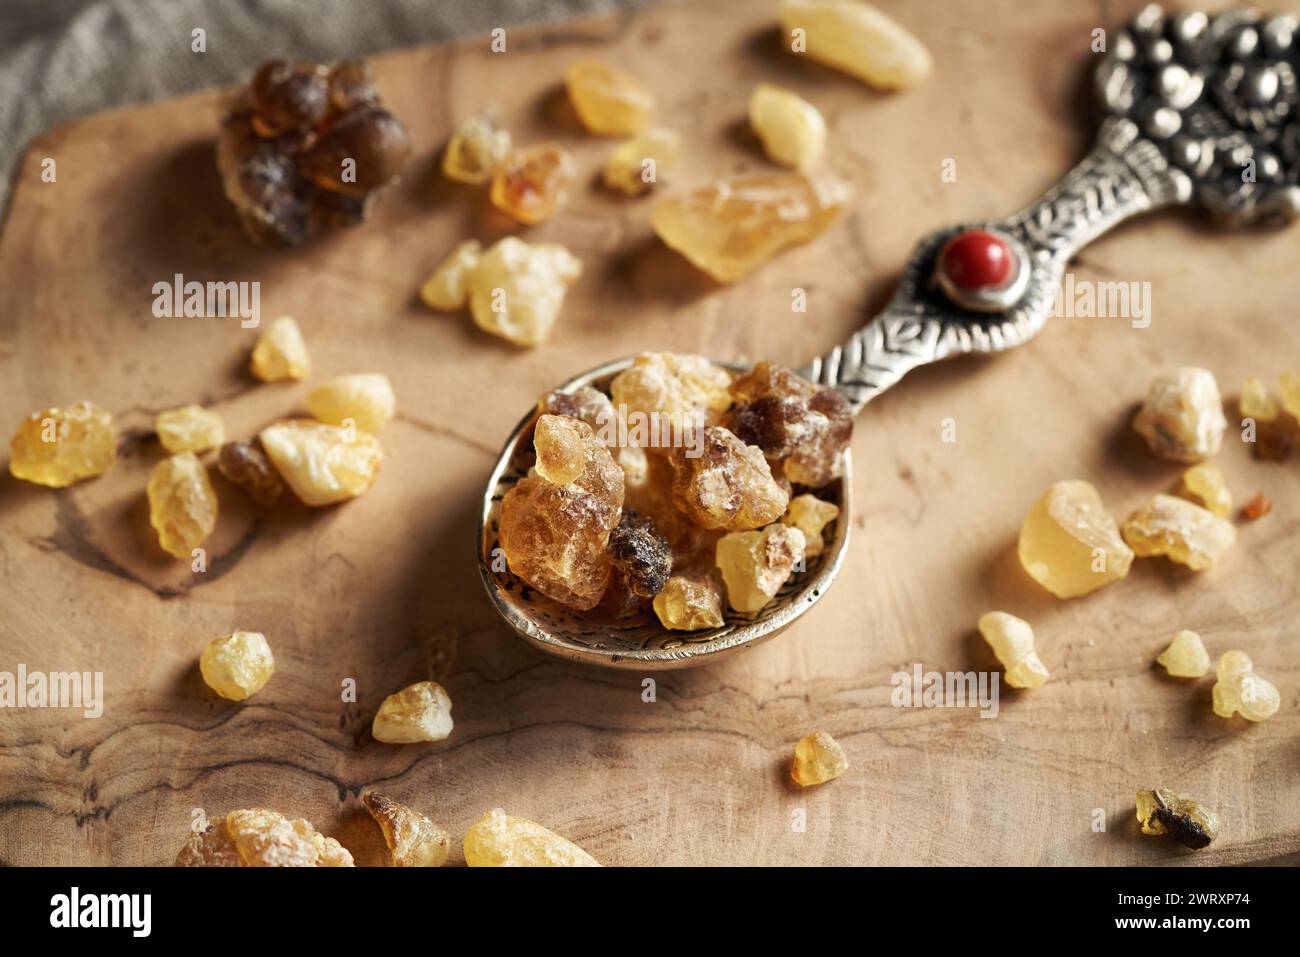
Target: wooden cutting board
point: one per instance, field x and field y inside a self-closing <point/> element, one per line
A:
<point x="384" y="589"/>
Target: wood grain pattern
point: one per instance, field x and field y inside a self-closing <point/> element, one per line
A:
<point x="384" y="589"/>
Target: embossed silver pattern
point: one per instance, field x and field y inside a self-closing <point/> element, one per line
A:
<point x="1199" y="110"/>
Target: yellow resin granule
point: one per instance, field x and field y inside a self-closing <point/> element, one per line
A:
<point x="475" y="150"/>
<point x="641" y="163"/>
<point x="1069" y="543"/>
<point x="609" y="101"/>
<point x="729" y="229"/>
<point x="561" y="446"/>
<point x="1012" y="640"/>
<point x="689" y="603"/>
<point x="182" y="504"/>
<point x="499" y="840"/>
<point x="756" y="564"/>
<point x="857" y="38"/>
<point x="1182" y="418"/>
<point x="413" y="840"/>
<point x="59" y="446"/>
<point x="421" y="712"/>
<point x="1255" y="402"/>
<point x="1239" y="690"/>
<point x="238" y="665"/>
<point x="1205" y="483"/>
<point x="448" y="287"/>
<point x="792" y="131"/>
<point x="190" y="428"/>
<point x="362" y="400"/>
<point x="818" y="758"/>
<point x="1180" y="530"/>
<point x="517" y="289"/>
<point x="1186" y="656"/>
<point x="531" y="184"/>
<point x="810" y="515"/>
<point x="257" y="837"/>
<point x="281" y="353"/>
<point x="323" y="464"/>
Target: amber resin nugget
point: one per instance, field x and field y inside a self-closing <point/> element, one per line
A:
<point x="1186" y="656"/>
<point x="555" y="536"/>
<point x="1069" y="543"/>
<point x="818" y="758"/>
<point x="1206" y="484"/>
<point x="413" y="840"/>
<point x="728" y="486"/>
<point x="533" y="182"/>
<point x="811" y="515"/>
<point x="323" y="464"/>
<point x="60" y="446"/>
<point x="246" y="465"/>
<point x="1239" y="690"/>
<point x="728" y="229"/>
<point x="238" y="665"/>
<point x="421" y="712"/>
<point x="689" y="603"/>
<point x="1012" y="640"/>
<point x="190" y="428"/>
<point x="280" y="352"/>
<point x="1180" y="530"/>
<point x="475" y="151"/>
<point x="754" y="565"/>
<point x="363" y="400"/>
<point x="499" y="840"/>
<point x="1182" y="418"/>
<point x="643" y="162"/>
<point x="792" y="131"/>
<point x="663" y="397"/>
<point x="609" y="101"/>
<point x="516" y="289"/>
<point x="182" y="504"/>
<point x="257" y="837"/>
<point x="857" y="38"/>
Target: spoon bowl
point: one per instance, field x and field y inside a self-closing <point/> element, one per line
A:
<point x="641" y="644"/>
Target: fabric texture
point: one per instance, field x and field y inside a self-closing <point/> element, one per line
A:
<point x="61" y="59"/>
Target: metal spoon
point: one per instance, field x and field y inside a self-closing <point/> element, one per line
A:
<point x="1199" y="110"/>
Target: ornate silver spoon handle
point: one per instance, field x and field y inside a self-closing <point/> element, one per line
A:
<point x="1199" y="111"/>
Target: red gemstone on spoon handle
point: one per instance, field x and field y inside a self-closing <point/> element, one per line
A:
<point x="978" y="260"/>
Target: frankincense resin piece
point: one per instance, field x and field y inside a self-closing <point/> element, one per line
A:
<point x="1012" y="640"/>
<point x="246" y="465"/>
<point x="238" y="665"/>
<point x="857" y="38"/>
<point x="413" y="840"/>
<point x="1182" y="418"/>
<point x="256" y="837"/>
<point x="281" y="353"/>
<point x="59" y="446"/>
<point x="421" y="712"/>
<point x="191" y="428"/>
<point x="586" y="404"/>
<point x="1290" y="388"/>
<point x="638" y="165"/>
<point x="810" y="515"/>
<point x="608" y="100"/>
<point x="728" y="485"/>
<point x="448" y="287"/>
<point x="1180" y="530"/>
<point x="1206" y="484"/>
<point x="516" y="289"/>
<point x="1259" y="506"/>
<point x="1069" y="543"/>
<point x="665" y="398"/>
<point x="269" y="839"/>
<point x="532" y="183"/>
<point x="499" y="840"/>
<point x="1255" y="402"/>
<point x="818" y="758"/>
<point x="1239" y="690"/>
<point x="728" y="229"/>
<point x="689" y="603"/>
<point x="323" y="464"/>
<point x="475" y="150"/>
<point x="1161" y="811"/>
<point x="806" y="427"/>
<point x="182" y="504"/>
<point x="555" y="537"/>
<point x="561" y="446"/>
<point x="792" y="130"/>
<point x="1186" y="656"/>
<point x="756" y="564"/>
<point x="363" y="400"/>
